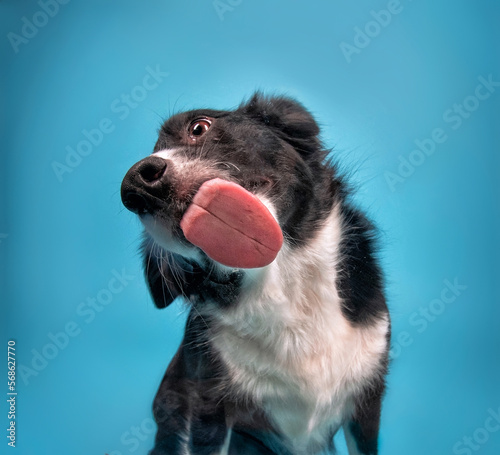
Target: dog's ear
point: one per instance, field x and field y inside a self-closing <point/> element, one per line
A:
<point x="166" y="278"/>
<point x="287" y="117"/>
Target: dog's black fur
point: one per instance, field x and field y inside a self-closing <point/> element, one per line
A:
<point x="271" y="147"/>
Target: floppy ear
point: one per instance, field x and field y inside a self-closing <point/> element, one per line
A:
<point x="165" y="277"/>
<point x="287" y="117"/>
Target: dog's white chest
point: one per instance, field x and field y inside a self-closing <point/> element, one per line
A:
<point x="288" y="346"/>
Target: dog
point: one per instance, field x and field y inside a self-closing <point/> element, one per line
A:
<point x="274" y="359"/>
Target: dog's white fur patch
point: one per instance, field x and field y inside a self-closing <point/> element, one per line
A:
<point x="161" y="233"/>
<point x="289" y="347"/>
<point x="166" y="154"/>
<point x="225" y="447"/>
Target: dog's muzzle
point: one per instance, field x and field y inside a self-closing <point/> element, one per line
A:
<point x="145" y="185"/>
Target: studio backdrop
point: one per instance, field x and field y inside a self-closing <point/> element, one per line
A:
<point x="407" y="94"/>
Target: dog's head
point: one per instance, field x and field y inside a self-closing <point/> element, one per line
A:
<point x="269" y="146"/>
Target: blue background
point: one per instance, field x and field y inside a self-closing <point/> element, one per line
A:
<point x="62" y="238"/>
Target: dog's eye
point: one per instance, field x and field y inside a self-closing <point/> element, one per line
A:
<point x="198" y="128"/>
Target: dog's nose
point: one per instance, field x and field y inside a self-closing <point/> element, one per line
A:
<point x="141" y="181"/>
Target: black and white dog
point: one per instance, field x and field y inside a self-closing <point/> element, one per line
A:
<point x="275" y="359"/>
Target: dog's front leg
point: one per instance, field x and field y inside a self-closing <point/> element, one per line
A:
<point x="172" y="411"/>
<point x="208" y="429"/>
<point x="361" y="431"/>
<point x="189" y="406"/>
<point x="189" y="425"/>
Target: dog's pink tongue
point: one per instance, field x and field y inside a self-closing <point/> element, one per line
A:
<point x="232" y="226"/>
